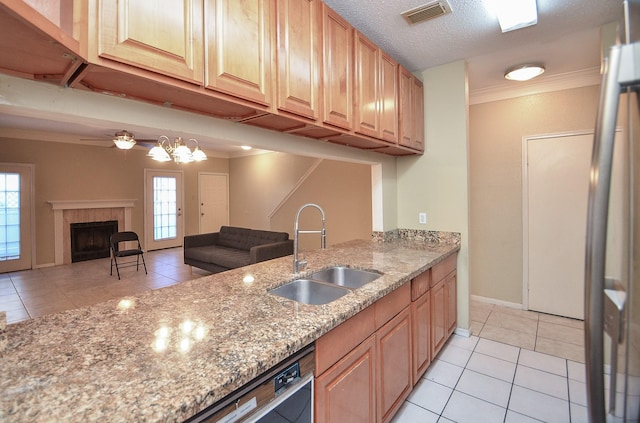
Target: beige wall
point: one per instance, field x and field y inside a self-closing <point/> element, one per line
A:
<point x="258" y="184"/>
<point x="280" y="183"/>
<point x="79" y="172"/>
<point x="437" y="182"/>
<point x="343" y="190"/>
<point x="495" y="169"/>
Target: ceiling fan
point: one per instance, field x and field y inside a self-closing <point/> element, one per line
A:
<point x="124" y="140"/>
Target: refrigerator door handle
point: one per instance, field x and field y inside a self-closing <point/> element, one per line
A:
<point x="600" y="178"/>
<point x="614" y="302"/>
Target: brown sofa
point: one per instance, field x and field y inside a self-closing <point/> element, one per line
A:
<point x="234" y="247"/>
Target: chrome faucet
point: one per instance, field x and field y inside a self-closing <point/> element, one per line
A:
<point x="298" y="264"/>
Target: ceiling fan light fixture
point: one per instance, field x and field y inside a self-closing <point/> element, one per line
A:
<point x="124" y="140"/>
<point x="524" y="72"/>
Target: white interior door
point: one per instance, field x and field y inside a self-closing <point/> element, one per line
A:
<point x="556" y="184"/>
<point x="15" y="217"/>
<point x="164" y="222"/>
<point x="214" y="201"/>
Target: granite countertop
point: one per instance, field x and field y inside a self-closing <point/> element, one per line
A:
<point x="164" y="355"/>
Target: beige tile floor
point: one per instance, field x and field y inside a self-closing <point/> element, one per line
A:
<point x="517" y="366"/>
<point x="544" y="333"/>
<point x="33" y="293"/>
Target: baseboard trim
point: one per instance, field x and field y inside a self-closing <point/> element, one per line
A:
<point x="497" y="302"/>
<point x="462" y="332"/>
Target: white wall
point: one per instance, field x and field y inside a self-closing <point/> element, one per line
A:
<point x="437" y="182"/>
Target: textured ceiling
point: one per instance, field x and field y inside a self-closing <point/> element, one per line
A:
<point x="566" y="38"/>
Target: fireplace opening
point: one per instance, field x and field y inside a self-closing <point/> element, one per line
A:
<point x="90" y="240"/>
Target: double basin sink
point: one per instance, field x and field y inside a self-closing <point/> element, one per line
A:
<point x="325" y="286"/>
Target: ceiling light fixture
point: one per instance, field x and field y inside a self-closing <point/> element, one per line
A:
<point x="164" y="151"/>
<point x="515" y="14"/>
<point x="246" y="147"/>
<point x="524" y="72"/>
<point x="124" y="140"/>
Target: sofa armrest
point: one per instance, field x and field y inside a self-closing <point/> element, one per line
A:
<point x="270" y="251"/>
<point x="201" y="240"/>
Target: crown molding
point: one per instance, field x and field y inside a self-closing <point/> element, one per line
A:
<point x="544" y="84"/>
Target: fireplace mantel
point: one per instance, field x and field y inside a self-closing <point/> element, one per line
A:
<point x="89" y="204"/>
<point x="61" y="227"/>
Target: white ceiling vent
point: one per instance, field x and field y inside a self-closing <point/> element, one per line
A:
<point x="426" y="12"/>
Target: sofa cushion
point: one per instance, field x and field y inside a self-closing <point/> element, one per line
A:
<point x="257" y="237"/>
<point x="220" y="255"/>
<point x="234" y="237"/>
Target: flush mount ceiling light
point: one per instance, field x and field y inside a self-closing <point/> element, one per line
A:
<point x="165" y="151"/>
<point x="246" y="147"/>
<point x="524" y="72"/>
<point x="124" y="140"/>
<point x="515" y="14"/>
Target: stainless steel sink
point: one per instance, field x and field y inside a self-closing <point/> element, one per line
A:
<point x="309" y="292"/>
<point x="345" y="276"/>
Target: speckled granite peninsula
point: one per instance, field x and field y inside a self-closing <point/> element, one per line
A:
<point x="165" y="355"/>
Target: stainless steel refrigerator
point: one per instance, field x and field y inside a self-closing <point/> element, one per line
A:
<point x="612" y="296"/>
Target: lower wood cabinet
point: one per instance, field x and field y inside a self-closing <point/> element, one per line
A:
<point x="393" y="342"/>
<point x="438" y="318"/>
<point x="451" y="296"/>
<point x="421" y="335"/>
<point x="367" y="366"/>
<point x="347" y="391"/>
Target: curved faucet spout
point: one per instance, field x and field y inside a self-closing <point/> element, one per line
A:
<point x="297" y="264"/>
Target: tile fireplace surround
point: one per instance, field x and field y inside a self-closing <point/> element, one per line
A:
<point x="67" y="212"/>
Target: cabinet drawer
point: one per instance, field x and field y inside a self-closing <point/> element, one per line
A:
<point x="391" y="304"/>
<point x="336" y="343"/>
<point x="420" y="285"/>
<point x="442" y="269"/>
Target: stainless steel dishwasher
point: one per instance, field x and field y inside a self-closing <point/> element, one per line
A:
<point x="282" y="394"/>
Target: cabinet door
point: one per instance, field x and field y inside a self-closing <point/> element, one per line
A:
<point x="421" y="335"/>
<point x="411" y="110"/>
<point x="337" y="36"/>
<point x="366" y="81"/>
<point x="418" y="114"/>
<point x="299" y="40"/>
<point x="405" y="106"/>
<point x="346" y="392"/>
<point x="394" y="364"/>
<point x="239" y="41"/>
<point x="162" y="36"/>
<point x="438" y="319"/>
<point x="388" y="98"/>
<point x="452" y="302"/>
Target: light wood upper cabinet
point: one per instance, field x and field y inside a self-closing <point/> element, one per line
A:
<point x="337" y="35"/>
<point x="161" y="36"/>
<point x="376" y="89"/>
<point x="239" y="40"/>
<point x="388" y="98"/>
<point x="367" y="83"/>
<point x="411" y="110"/>
<point x="299" y="42"/>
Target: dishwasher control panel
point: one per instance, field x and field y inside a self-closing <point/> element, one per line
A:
<point x="286" y="377"/>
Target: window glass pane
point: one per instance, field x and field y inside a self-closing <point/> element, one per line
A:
<point x="164" y="207"/>
<point x="9" y="216"/>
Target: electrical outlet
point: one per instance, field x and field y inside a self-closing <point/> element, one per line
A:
<point x="422" y="218"/>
